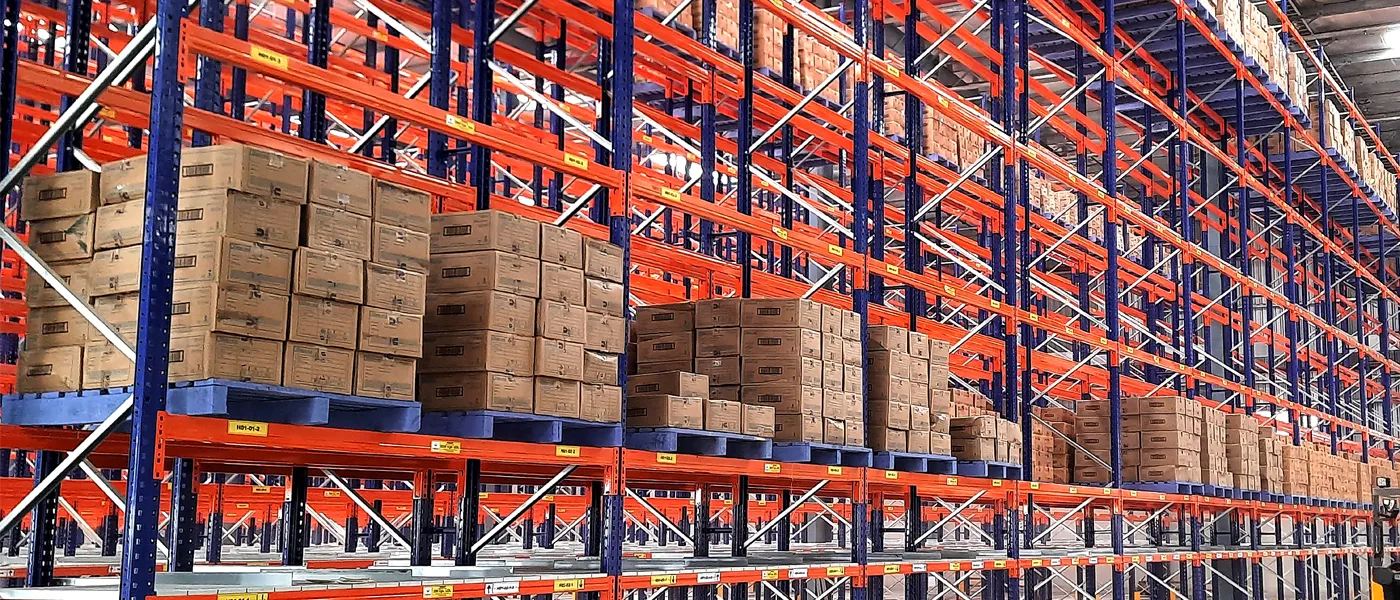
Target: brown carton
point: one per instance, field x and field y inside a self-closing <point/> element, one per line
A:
<point x="121" y="312"/>
<point x="205" y="213"/>
<point x="757" y="420"/>
<point x="478" y="351"/>
<point x="485" y="230"/>
<point x="561" y="246"/>
<point x="662" y="366"/>
<point x="395" y="289"/>
<point x="562" y="284"/>
<point x="723" y="312"/>
<point x="805" y="314"/>
<point x="784" y="398"/>
<point x="722" y="370"/>
<point x="671" y="383"/>
<point x="115" y="271"/>
<point x="850" y="325"/>
<point x="481" y="390"/>
<point x="389" y="332"/>
<point x="893" y="362"/>
<point x="974" y="448"/>
<point x="601" y="403"/>
<point x="486" y="270"/>
<point x="602" y="260"/>
<point x="831" y="320"/>
<point x="797" y="428"/>
<point x="103" y="365"/>
<point x="467" y="311"/>
<point x="786" y="342"/>
<point x="919" y="418"/>
<point x="666" y="347"/>
<point x="797" y="371"/>
<point x="38" y="292"/>
<point x="894" y="415"/>
<point x="851" y="354"/>
<point x="227" y="260"/>
<point x="225" y="166"/>
<point x="329" y="275"/>
<point x="832" y="347"/>
<point x="600" y="368"/>
<point x="401" y="206"/>
<point x="833" y="376"/>
<point x="834" y="431"/>
<point x="384" y="376"/>
<point x="63" y="238"/>
<point x="559" y="358"/>
<point x="400" y="248"/>
<point x="602" y="296"/>
<point x="664" y="318"/>
<point x="58" y="195"/>
<point x="341" y="187"/>
<point x="885" y="439"/>
<point x="661" y="410"/>
<point x="1161" y="405"/>
<point x="834" y="404"/>
<point x="225" y="356"/>
<point x="605" y="333"/>
<point x="56" y="326"/>
<point x="231" y="308"/>
<point x="51" y="369"/>
<point x="886" y="337"/>
<point x="727" y="392"/>
<point x="918" y="345"/>
<point x="339" y="231"/>
<point x="312" y="367"/>
<point x="723" y="415"/>
<point x="560" y="321"/>
<point x="919" y="441"/>
<point x="717" y="341"/>
<point x="325" y="322"/>
<point x="852" y="379"/>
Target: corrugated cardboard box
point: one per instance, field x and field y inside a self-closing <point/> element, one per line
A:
<point x="232" y="166"/>
<point x="384" y="376"/>
<point x="225" y="356"/>
<point x="602" y="260"/>
<point x="395" y="289"/>
<point x="38" y="292"/>
<point x="797" y="428"/>
<point x="852" y="378"/>
<point x="893" y="362"/>
<point x="833" y="375"/>
<point x="850" y="325"/>
<point x="785" y="398"/>
<point x="894" y="415"/>
<point x="559" y="358"/>
<point x="604" y="296"/>
<point x="466" y="311"/>
<point x="228" y="260"/>
<point x="486" y="270"/>
<point x="562" y="284"/>
<point x="726" y="392"/>
<point x="123" y="311"/>
<point x="342" y="187"/>
<point x="666" y="347"/>
<point x="485" y="230"/>
<point x="560" y="321"/>
<point x="400" y="247"/>
<point x="561" y="246"/>
<point x="64" y="238"/>
<point x="918" y="441"/>
<point x="58" y="195"/>
<point x="329" y="275"/>
<point x="671" y="383"/>
<point x="221" y="212"/>
<point x="723" y="312"/>
<point x="601" y="403"/>
<point x="103" y="366"/>
<point x="664" y="318"/>
<point x="661" y="410"/>
<point x="831" y="320"/>
<point x="401" y="206"/>
<point x="390" y="332"/>
<point x="660" y="366"/>
<point x="50" y="369"/>
<point x="717" y="341"/>
<point x="891" y="388"/>
<point x="56" y="326"/>
<point x="884" y="439"/>
<point x="605" y="333"/>
<point x="918" y="345"/>
<point x="832" y="347"/>
<point x="115" y="271"/>
<point x="757" y="420"/>
<point x="1161" y="405"/>
<point x="786" y="342"/>
<point x="313" y="367"/>
<point x="805" y="314"/>
<point x="557" y="397"/>
<point x="231" y="308"/>
<point x="722" y="370"/>
<point x="851" y="354"/>
<point x="322" y="321"/>
<point x="600" y="368"/>
<point x="799" y="371"/>
<point x="834" y="404"/>
<point x="834" y="431"/>
<point x="478" y="351"/>
<point x="886" y="337"/>
<point x="919" y="418"/>
<point x="723" y="415"/>
<point x="481" y="390"/>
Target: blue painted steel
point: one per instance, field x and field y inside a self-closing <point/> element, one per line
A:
<point x="914" y="302"/>
<point x="1244" y="262"/>
<point x="522" y="427"/>
<point x="743" y="200"/>
<point x="183" y="535"/>
<point x="482" y="95"/>
<point x="208" y="81"/>
<point x="469" y="506"/>
<point x="420" y="537"/>
<point x="705" y="443"/>
<point x="439" y="82"/>
<point x="75" y="60"/>
<point x="1329" y="308"/>
<point x="314" y="123"/>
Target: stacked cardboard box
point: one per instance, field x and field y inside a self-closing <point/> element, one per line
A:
<point x="902" y="417"/>
<point x="1270" y="461"/>
<point x="681" y="399"/>
<point x="815" y="62"/>
<point x="1297" y="470"/>
<point x="986" y="438"/>
<point x="1093" y="435"/>
<point x="1242" y="451"/>
<point x="1042" y="452"/>
<point x="1161" y="439"/>
<point x="522" y="317"/>
<point x="1215" y="465"/>
<point x="1062" y="457"/>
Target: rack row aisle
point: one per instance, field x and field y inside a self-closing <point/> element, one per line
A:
<point x="1085" y="215"/>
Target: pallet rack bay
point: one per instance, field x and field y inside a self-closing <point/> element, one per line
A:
<point x="1217" y="246"/>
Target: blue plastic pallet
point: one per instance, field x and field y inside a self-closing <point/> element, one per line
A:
<point x="522" y="427"/>
<point x="935" y="464"/>
<point x="1168" y="487"/>
<point x="695" y="441"/>
<point x="822" y="454"/>
<point x="990" y="469"/>
<point x="221" y="398"/>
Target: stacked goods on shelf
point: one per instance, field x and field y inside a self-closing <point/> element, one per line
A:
<point x="907" y="414"/>
<point x="1043" y="453"/>
<point x="1367" y="478"/>
<point x="60" y="210"/>
<point x="522" y="317"/>
<point x="1162" y="440"/>
<point x="1248" y="26"/>
<point x="682" y="399"/>
<point x="894" y="116"/>
<point x="1355" y="150"/>
<point x="1092" y="434"/>
<point x="1242" y="450"/>
<point x="1271" y="476"/>
<point x="978" y="434"/>
<point x="689" y="17"/>
<point x="1215" y="464"/>
<point x="1061" y="423"/>
<point x="815" y="62"/>
<point x="1297" y="473"/>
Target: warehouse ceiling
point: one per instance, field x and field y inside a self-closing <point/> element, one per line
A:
<point x="1362" y="40"/>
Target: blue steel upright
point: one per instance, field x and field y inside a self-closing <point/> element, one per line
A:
<point x="619" y="231"/>
<point x="157" y="281"/>
<point x="1108" y="97"/>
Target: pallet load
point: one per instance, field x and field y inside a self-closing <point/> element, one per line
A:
<point x="902" y="417"/>
<point x="1215" y="465"/>
<point x="1042" y="465"/>
<point x="1242" y="451"/>
<point x="522" y="317"/>
<point x="1270" y="461"/>
<point x="1297" y="472"/>
<point x="1093" y="435"/>
<point x="1164" y="435"/>
<point x="1061" y="424"/>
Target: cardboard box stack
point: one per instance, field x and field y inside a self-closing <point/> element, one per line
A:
<point x="1247" y="25"/>
<point x="902" y="406"/>
<point x="1093" y="434"/>
<point x="1270" y="461"/>
<point x="681" y="399"/>
<point x="1162" y="439"/>
<point x="1061" y="422"/>
<point x="986" y="438"/>
<point x="1215" y="465"/>
<point x="1042" y="453"/>
<point x="1242" y="451"/>
<point x="1297" y="470"/>
<point x="522" y="317"/>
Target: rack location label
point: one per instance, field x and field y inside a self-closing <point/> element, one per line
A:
<point x="502" y="588"/>
<point x="250" y="428"/>
<point x="446" y="447"/>
<point x="438" y="591"/>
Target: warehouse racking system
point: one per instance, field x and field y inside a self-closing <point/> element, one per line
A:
<point x="1197" y="259"/>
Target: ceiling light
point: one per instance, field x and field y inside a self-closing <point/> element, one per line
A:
<point x="1392" y="38"/>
